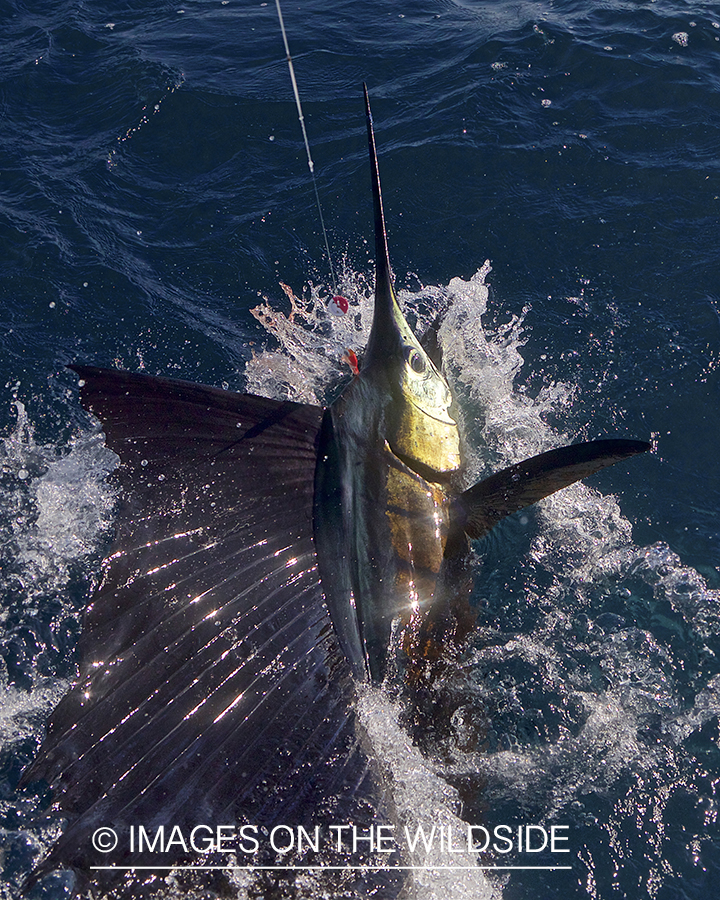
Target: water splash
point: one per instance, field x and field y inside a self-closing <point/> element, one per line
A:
<point x="422" y="801"/>
<point x="56" y="509"/>
<point x="312" y="341"/>
<point x="593" y="669"/>
<point x="56" y="505"/>
<point x="592" y="695"/>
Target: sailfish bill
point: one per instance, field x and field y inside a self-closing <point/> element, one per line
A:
<point x="267" y="557"/>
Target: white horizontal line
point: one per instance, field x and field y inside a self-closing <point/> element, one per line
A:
<point x="326" y="868"/>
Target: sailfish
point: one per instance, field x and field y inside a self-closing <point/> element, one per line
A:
<point x="268" y="557"/>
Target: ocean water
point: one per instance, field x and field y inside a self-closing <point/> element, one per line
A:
<point x="154" y="191"/>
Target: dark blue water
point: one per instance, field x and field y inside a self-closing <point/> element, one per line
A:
<point x="154" y="189"/>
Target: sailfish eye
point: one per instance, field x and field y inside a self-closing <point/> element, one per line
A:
<point x="416" y="360"/>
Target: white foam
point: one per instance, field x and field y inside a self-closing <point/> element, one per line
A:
<point x="422" y="800"/>
<point x="59" y="505"/>
<point x="312" y="341"/>
<point x="57" y="502"/>
<point x="56" y="509"/>
<point x="582" y="548"/>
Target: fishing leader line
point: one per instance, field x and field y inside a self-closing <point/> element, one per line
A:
<point x="311" y="164"/>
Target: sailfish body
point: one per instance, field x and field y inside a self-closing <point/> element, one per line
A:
<point x="390" y="467"/>
<point x="268" y="555"/>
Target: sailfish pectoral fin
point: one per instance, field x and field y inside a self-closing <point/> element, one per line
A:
<point x="482" y="506"/>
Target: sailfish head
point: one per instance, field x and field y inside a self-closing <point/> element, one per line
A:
<point x="421" y="427"/>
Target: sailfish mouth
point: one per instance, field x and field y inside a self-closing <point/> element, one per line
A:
<point x="426" y="472"/>
<point x="447" y="419"/>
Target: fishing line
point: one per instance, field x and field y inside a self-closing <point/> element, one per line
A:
<point x="311" y="164"/>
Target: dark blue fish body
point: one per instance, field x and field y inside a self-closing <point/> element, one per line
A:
<point x="268" y="556"/>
